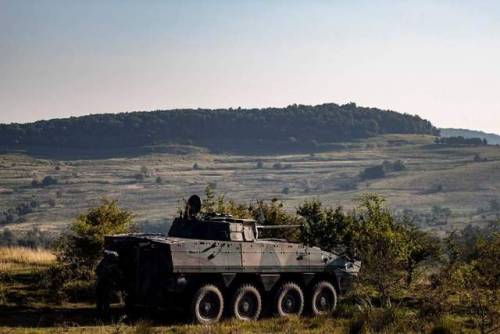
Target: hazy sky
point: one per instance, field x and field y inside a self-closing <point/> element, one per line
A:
<point x="438" y="59"/>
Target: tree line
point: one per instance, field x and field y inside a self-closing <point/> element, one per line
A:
<point x="295" y="125"/>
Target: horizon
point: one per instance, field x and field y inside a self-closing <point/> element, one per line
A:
<point x="438" y="60"/>
<point x="234" y="108"/>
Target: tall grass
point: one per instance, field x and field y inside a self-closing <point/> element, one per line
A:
<point x="24" y="256"/>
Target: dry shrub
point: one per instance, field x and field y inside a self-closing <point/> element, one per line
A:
<point x="28" y="256"/>
<point x="144" y="327"/>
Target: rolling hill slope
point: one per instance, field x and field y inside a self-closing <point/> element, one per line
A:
<point x="294" y="128"/>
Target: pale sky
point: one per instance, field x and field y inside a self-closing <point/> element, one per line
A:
<point x="437" y="59"/>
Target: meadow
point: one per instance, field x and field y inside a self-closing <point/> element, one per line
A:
<point x="441" y="188"/>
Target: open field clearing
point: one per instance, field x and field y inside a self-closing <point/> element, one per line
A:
<point x="152" y="186"/>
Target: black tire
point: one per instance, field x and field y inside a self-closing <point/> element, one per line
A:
<point x="207" y="305"/>
<point x="289" y="300"/>
<point x="246" y="303"/>
<point x="323" y="298"/>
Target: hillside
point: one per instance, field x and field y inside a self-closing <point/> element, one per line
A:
<point x="440" y="187"/>
<point x="492" y="138"/>
<point x="294" y="128"/>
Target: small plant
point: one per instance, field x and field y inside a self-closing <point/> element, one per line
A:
<point x="144" y="170"/>
<point x="277" y="165"/>
<point x="49" y="181"/>
<point x="139" y="177"/>
<point x="374" y="172"/>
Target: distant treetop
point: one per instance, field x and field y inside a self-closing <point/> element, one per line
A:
<point x="214" y="128"/>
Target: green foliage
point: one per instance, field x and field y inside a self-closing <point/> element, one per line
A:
<point x="274" y="213"/>
<point x="80" y="249"/>
<point x="461" y="141"/>
<point x="13" y="215"/>
<point x="265" y="213"/>
<point x="373" y="172"/>
<point x="47" y="181"/>
<point x="300" y="126"/>
<point x="389" y="251"/>
<point x="326" y="228"/>
<point x="379" y="171"/>
<point x="470" y="279"/>
<point x="209" y="201"/>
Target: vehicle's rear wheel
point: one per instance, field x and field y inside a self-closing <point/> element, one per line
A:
<point x="289" y="300"/>
<point x="246" y="303"/>
<point x="323" y="298"/>
<point x="207" y="305"/>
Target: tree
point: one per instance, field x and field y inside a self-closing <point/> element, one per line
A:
<point x="373" y="172"/>
<point x="469" y="280"/>
<point x="273" y="213"/>
<point x="145" y="171"/>
<point x="242" y="129"/>
<point x="390" y="251"/>
<point x="80" y="249"/>
<point x="209" y="201"/>
<point x="48" y="181"/>
<point x="420" y="247"/>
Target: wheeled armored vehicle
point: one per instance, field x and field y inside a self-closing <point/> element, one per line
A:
<point x="215" y="265"/>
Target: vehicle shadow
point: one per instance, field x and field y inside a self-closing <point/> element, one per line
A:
<point x="82" y="315"/>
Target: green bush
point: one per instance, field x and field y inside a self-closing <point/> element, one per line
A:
<point x="80" y="249"/>
<point x="390" y="251"/>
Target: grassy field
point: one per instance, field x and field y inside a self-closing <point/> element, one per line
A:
<point x="442" y="176"/>
<point x="26" y="306"/>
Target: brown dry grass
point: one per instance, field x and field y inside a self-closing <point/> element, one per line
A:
<point x="14" y="256"/>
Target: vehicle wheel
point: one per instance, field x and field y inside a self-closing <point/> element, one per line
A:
<point x="246" y="303"/>
<point x="289" y="300"/>
<point x="323" y="298"/>
<point x="207" y="305"/>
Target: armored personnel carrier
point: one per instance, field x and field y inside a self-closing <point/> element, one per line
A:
<point x="215" y="265"/>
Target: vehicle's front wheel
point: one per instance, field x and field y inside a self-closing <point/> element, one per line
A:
<point x="289" y="300"/>
<point x="207" y="305"/>
<point x="323" y="298"/>
<point x="246" y="303"/>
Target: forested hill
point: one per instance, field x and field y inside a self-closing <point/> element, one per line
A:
<point x="297" y="126"/>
